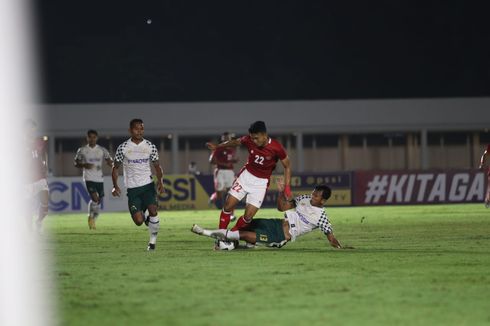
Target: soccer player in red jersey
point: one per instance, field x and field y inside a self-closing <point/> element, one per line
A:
<point x="37" y="188"/>
<point x="482" y="164"/>
<point x="253" y="179"/>
<point x="223" y="158"/>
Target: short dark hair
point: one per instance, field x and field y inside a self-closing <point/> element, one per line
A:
<point x="256" y="127"/>
<point x="326" y="191"/>
<point x="92" y="132"/>
<point x="134" y="122"/>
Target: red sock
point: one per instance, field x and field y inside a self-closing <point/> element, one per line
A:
<point x="240" y="224"/>
<point x="224" y="219"/>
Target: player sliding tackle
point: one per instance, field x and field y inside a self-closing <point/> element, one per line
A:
<point x="253" y="178"/>
<point x="303" y="214"/>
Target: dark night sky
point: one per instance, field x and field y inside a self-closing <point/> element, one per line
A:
<point x="105" y="51"/>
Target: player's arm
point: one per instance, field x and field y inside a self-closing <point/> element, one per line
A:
<point x="107" y="157"/>
<point x="483" y="159"/>
<point x="159" y="173"/>
<point x="333" y="241"/>
<point x="336" y="243"/>
<point x="283" y="204"/>
<point x="45" y="159"/>
<point x="116" y="192"/>
<point x="109" y="161"/>
<point x="118" y="160"/>
<point x="287" y="177"/>
<point x="228" y="143"/>
<point x="78" y="161"/>
<point x="212" y="158"/>
<point x="326" y="228"/>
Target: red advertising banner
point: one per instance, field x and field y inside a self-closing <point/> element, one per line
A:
<point x="419" y="187"/>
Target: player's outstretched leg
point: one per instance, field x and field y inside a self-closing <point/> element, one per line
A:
<point x="221" y="234"/>
<point x="216" y="234"/>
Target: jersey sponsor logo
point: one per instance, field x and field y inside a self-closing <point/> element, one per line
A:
<point x="302" y="218"/>
<point x="139" y="160"/>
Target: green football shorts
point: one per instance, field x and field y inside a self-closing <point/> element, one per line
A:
<point x="140" y="198"/>
<point x="269" y="231"/>
<point x="97" y="187"/>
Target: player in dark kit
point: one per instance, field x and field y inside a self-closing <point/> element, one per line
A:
<point x="253" y="179"/>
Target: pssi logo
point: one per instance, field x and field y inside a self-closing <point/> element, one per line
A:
<point x="57" y="196"/>
<point x="179" y="189"/>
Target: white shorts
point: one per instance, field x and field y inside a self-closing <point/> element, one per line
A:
<point x="33" y="189"/>
<point x="251" y="186"/>
<point x="224" y="179"/>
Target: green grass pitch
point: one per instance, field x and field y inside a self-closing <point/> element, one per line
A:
<point x="413" y="265"/>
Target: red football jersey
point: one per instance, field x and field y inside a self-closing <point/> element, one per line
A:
<point x="224" y="157"/>
<point x="37" y="161"/>
<point x="488" y="148"/>
<point x="262" y="160"/>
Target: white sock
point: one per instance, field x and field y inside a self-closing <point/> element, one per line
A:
<point x="153" y="227"/>
<point x="214" y="233"/>
<point x="91" y="208"/>
<point x="209" y="233"/>
<point x="233" y="235"/>
<point x="228" y="234"/>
